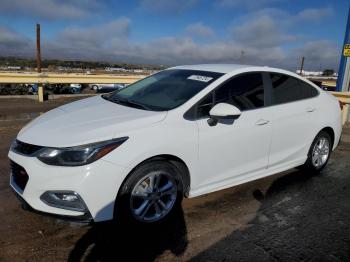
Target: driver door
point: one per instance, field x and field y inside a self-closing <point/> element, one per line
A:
<point x="234" y="150"/>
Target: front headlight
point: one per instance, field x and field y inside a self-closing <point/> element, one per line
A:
<point x="78" y="155"/>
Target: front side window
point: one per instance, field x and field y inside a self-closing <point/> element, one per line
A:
<point x="244" y="91"/>
<point x="165" y="90"/>
<point x="288" y="89"/>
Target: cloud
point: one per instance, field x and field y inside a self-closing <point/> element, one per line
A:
<point x="95" y="42"/>
<point x="167" y="6"/>
<point x="318" y="53"/>
<point x="271" y="27"/>
<point x="261" y="32"/>
<point x="199" y="30"/>
<point x="285" y="20"/>
<point x="314" y="14"/>
<point x="51" y="9"/>
<point x="96" y="36"/>
<point x="258" y="38"/>
<point x="183" y="50"/>
<point x="244" y="4"/>
<point x="14" y="44"/>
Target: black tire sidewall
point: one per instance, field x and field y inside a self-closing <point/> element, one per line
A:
<point x="309" y="165"/>
<point x="122" y="210"/>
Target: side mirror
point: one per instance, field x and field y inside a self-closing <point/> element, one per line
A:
<point x="223" y="111"/>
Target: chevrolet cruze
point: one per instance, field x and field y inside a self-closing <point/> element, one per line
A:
<point x="182" y="132"/>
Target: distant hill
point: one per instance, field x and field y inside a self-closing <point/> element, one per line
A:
<point x="54" y="64"/>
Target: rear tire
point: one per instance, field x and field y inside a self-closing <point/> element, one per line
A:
<point x="319" y="152"/>
<point x="150" y="194"/>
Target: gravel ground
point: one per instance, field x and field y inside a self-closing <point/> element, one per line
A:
<point x="291" y="216"/>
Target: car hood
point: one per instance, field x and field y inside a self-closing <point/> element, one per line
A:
<point x="86" y="121"/>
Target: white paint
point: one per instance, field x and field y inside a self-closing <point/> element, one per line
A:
<point x="224" y="110"/>
<point x="259" y="143"/>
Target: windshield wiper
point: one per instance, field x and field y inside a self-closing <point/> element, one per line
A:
<point x="131" y="103"/>
<point x="134" y="104"/>
<point x="127" y="102"/>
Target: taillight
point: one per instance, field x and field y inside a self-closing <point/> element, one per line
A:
<point x="341" y="104"/>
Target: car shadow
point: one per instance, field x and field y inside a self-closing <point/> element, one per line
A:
<point x="123" y="241"/>
<point x="302" y="217"/>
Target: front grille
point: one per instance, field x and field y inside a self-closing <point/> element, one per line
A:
<point x="24" y="148"/>
<point x="19" y="175"/>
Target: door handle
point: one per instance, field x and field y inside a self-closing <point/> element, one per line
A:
<point x="310" y="109"/>
<point x="262" y="122"/>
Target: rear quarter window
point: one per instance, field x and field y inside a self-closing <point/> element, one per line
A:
<point x="287" y="89"/>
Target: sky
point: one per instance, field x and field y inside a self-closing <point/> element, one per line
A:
<point x="168" y="32"/>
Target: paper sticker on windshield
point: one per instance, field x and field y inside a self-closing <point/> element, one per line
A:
<point x="200" y="78"/>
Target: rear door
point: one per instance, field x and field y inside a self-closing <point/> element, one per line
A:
<point x="294" y="122"/>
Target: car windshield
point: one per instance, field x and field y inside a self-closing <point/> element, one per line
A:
<point x="165" y="90"/>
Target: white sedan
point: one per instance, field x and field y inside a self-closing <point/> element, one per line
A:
<point x="185" y="131"/>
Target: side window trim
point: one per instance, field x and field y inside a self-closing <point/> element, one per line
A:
<point x="267" y="88"/>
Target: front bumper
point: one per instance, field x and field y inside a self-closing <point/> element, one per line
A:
<point x="85" y="218"/>
<point x="97" y="184"/>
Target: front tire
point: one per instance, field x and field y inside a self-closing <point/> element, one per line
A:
<point x="151" y="193"/>
<point x="319" y="152"/>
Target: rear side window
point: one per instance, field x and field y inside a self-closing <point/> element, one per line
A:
<point x="244" y="91"/>
<point x="287" y="89"/>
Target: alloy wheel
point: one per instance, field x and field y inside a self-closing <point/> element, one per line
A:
<point x="153" y="197"/>
<point x="320" y="152"/>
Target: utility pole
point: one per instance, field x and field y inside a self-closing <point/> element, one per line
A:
<point x="302" y="66"/>
<point x="38" y="51"/>
<point x="38" y="63"/>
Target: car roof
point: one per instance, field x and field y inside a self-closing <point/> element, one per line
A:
<point x="219" y="68"/>
<point x="230" y="68"/>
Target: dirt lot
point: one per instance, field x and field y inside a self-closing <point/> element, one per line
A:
<point x="291" y="216"/>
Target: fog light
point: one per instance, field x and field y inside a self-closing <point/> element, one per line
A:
<point x="69" y="200"/>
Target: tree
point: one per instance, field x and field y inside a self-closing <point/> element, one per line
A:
<point x="328" y="72"/>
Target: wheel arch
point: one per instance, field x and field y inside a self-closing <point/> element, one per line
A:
<point x="176" y="161"/>
<point x="181" y="166"/>
<point x="308" y="165"/>
<point x="330" y="131"/>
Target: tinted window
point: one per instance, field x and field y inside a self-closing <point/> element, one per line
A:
<point x="287" y="89"/>
<point x="308" y="90"/>
<point x="165" y="90"/>
<point x="245" y="91"/>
